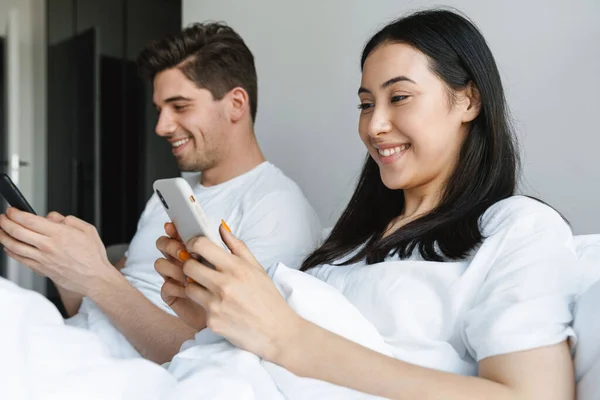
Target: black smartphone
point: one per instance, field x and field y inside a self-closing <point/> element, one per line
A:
<point x="13" y="195"/>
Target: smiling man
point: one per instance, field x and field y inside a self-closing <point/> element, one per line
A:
<point x="205" y="92"/>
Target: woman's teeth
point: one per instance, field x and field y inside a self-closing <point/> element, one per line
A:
<point x="180" y="142"/>
<point x="394" y="150"/>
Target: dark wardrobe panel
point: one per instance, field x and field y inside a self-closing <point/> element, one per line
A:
<point x="103" y="154"/>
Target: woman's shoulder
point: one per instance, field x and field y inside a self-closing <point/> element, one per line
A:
<point x="521" y="211"/>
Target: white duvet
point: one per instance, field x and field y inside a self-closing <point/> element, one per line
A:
<point x="514" y="293"/>
<point x="42" y="358"/>
<point x="210" y="357"/>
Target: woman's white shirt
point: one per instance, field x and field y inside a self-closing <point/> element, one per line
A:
<point x="515" y="292"/>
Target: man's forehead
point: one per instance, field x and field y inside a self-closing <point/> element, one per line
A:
<point x="166" y="90"/>
<point x="172" y="79"/>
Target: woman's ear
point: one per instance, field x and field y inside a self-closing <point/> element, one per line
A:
<point x="472" y="101"/>
<point x="239" y="103"/>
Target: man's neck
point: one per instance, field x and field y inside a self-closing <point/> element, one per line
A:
<point x="247" y="157"/>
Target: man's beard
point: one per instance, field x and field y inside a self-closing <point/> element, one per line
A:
<point x="195" y="164"/>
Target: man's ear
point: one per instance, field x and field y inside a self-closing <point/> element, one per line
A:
<point x="239" y="103"/>
<point x="472" y="102"/>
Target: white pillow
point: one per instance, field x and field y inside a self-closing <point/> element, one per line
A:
<point x="325" y="306"/>
<point x="588" y="251"/>
<point x="587" y="319"/>
<point x="217" y="368"/>
<point x="587" y="354"/>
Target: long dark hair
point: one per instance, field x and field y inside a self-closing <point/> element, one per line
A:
<point x="487" y="167"/>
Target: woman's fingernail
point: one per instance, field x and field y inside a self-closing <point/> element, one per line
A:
<point x="227" y="228"/>
<point x="183" y="255"/>
<point x="190" y="280"/>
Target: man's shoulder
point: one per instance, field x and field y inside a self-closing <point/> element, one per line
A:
<point x="272" y="181"/>
<point x="278" y="196"/>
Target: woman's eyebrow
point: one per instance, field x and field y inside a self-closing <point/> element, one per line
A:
<point x="388" y="83"/>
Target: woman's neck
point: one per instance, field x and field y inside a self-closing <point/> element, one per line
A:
<point x="417" y="202"/>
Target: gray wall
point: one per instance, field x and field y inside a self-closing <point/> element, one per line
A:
<point x="308" y="52"/>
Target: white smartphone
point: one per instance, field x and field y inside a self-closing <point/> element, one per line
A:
<point x="177" y="197"/>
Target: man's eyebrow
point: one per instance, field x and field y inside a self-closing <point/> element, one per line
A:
<point x="173" y="99"/>
<point x="177" y="98"/>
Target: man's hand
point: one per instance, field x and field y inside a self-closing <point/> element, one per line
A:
<point x="173" y="290"/>
<point x="67" y="250"/>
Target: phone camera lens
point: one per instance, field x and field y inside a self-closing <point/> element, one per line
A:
<point x="162" y="199"/>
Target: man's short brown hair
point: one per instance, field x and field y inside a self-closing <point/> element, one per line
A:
<point x="212" y="55"/>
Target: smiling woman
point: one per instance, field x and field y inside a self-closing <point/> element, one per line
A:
<point x="434" y="120"/>
<point x="468" y="285"/>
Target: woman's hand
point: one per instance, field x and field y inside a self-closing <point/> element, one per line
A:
<point x="173" y="290"/>
<point x="241" y="302"/>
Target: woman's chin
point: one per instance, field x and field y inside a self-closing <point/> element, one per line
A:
<point x="393" y="181"/>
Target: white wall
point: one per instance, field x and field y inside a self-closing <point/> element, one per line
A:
<point x="32" y="122"/>
<point x="307" y="55"/>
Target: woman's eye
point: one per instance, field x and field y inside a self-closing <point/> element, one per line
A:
<point x="179" y="108"/>
<point x="398" y="98"/>
<point x="365" y="106"/>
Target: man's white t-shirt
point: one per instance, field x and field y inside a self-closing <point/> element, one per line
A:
<point x="263" y="207"/>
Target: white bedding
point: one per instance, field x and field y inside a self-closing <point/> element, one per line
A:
<point x="42" y="358"/>
<point x="209" y="356"/>
<point x="515" y="291"/>
<point x="91" y="318"/>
